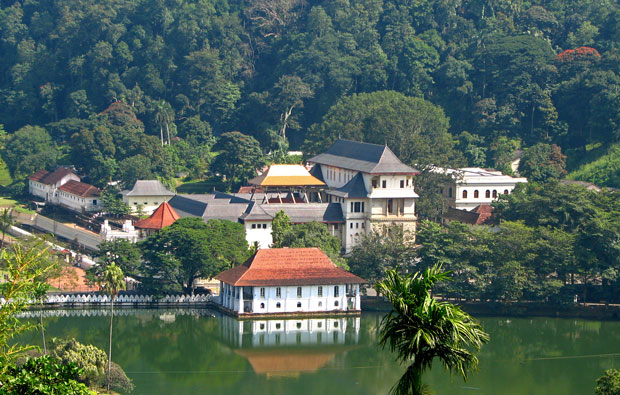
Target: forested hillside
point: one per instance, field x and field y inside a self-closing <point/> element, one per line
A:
<point x="108" y="85"/>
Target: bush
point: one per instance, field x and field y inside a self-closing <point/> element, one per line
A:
<point x="608" y="384"/>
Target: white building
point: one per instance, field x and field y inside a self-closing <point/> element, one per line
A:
<point x="147" y="194"/>
<point x="473" y="186"/>
<point x="373" y="187"/>
<point x="289" y="281"/>
<point x="63" y="187"/>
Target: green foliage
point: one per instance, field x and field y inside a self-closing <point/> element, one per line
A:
<point x="121" y="252"/>
<point x="44" y="375"/>
<point x="28" y="150"/>
<point x="421" y="328"/>
<point x="311" y="234"/>
<point x="609" y="383"/>
<point x="239" y="157"/>
<point x="383" y="249"/>
<point x="190" y="249"/>
<point x="27" y="267"/>
<point x="604" y="171"/>
<point x="542" y="162"/>
<point x="113" y="203"/>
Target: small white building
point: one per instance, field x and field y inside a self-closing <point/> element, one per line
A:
<point x="289" y="281"/>
<point x="63" y="187"/>
<point x="472" y="186"/>
<point x="148" y="194"/>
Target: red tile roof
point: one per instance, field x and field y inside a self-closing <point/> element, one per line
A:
<point x="162" y="217"/>
<point x="80" y="189"/>
<point x="485" y="211"/>
<point x="288" y="266"/>
<point x="39" y="175"/>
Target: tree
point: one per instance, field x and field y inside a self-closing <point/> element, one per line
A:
<point x="27" y="266"/>
<point x="239" y="157"/>
<point x="190" y="249"/>
<point x="290" y="92"/>
<point x="113" y="204"/>
<point x="138" y="167"/>
<point x="609" y="383"/>
<point x="415" y="129"/>
<point x="311" y="234"/>
<point x="383" y="249"/>
<point x="121" y="252"/>
<point x="44" y="375"/>
<point x="542" y="162"/>
<point x="112" y="281"/>
<point x="6" y="221"/>
<point x="29" y="149"/>
<point x="420" y="328"/>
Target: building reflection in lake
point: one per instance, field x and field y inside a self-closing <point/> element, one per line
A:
<point x="288" y="347"/>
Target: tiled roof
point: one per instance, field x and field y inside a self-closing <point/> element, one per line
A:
<point x="210" y="206"/>
<point x="80" y="189"/>
<point x="286" y="176"/>
<point x="162" y="217"/>
<point x="364" y="157"/>
<point x="297" y="213"/>
<point x="148" y="188"/>
<point x="355" y="188"/>
<point x="52" y="178"/>
<point x="480" y="215"/>
<point x="288" y="266"/>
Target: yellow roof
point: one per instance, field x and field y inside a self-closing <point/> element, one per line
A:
<point x="286" y="176"/>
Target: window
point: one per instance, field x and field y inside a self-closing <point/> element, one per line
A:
<point x="450" y="192"/>
<point x="320" y="292"/>
<point x="505" y="191"/>
<point x="262" y="306"/>
<point x="335" y="226"/>
<point x="278" y="305"/>
<point x="155" y="203"/>
<point x="390" y="206"/>
<point x="145" y="203"/>
<point x="357" y="207"/>
<point x="374" y="182"/>
<point x="278" y="293"/>
<point x="487" y="194"/>
<point x="441" y="191"/>
<point x="402" y="183"/>
<point x="351" y="225"/>
<point x="336" y="303"/>
<point x="299" y="292"/>
<point x="336" y="291"/>
<point x="383" y="184"/>
<point x="357" y="225"/>
<point x="253" y="226"/>
<point x="320" y="305"/>
<point x="363" y="209"/>
<point x="335" y="324"/>
<point x="262" y="292"/>
<point x="476" y="194"/>
<point x="95" y="200"/>
<point x="494" y="193"/>
<point x="135" y="203"/>
<point x="262" y="326"/>
<point x="264" y="226"/>
<point x="299" y="305"/>
<point x="299" y="325"/>
<point x="464" y="194"/>
<point x="363" y="225"/>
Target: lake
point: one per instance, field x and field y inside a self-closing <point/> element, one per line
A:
<point x="198" y="351"/>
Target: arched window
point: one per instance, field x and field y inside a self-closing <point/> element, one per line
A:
<point x="262" y="306"/>
<point x="464" y="194"/>
<point x="505" y="191"/>
<point x="336" y="303"/>
<point x="476" y="195"/>
<point x="298" y="304"/>
<point x="278" y="305"/>
<point x="494" y="193"/>
<point x="487" y="194"/>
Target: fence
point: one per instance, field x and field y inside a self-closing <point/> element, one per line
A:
<point x="122" y="300"/>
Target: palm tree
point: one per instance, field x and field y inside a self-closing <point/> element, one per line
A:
<point x="6" y="221"/>
<point x="111" y="282"/>
<point x="421" y="328"/>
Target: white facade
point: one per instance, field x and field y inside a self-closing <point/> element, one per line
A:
<point x="128" y="232"/>
<point x="149" y="203"/>
<point x="49" y="192"/>
<point x="473" y="186"/>
<point x="79" y="203"/>
<point x="290" y="299"/>
<point x="258" y="232"/>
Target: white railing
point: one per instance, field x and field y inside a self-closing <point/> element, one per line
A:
<point x="98" y="299"/>
<point x="160" y="312"/>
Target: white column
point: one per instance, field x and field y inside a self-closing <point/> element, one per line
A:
<point x="358" y="304"/>
<point x="240" y="300"/>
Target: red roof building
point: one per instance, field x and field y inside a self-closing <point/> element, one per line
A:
<point x="289" y="281"/>
<point x="78" y="188"/>
<point x="162" y="217"/>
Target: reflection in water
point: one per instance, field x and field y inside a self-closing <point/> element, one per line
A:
<point x="288" y="347"/>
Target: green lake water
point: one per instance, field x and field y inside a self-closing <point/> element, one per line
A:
<point x="203" y="352"/>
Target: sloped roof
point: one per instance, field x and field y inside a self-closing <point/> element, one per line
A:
<point x="355" y="188"/>
<point x="297" y="213"/>
<point x="52" y="178"/>
<point x="210" y="206"/>
<point x="288" y="266"/>
<point x="286" y="176"/>
<point x="364" y="157"/>
<point x="480" y="215"/>
<point x="162" y="217"/>
<point x="80" y="189"/>
<point x="287" y="362"/>
<point x="148" y="188"/>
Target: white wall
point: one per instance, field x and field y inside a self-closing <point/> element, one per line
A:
<point x="149" y="203"/>
<point x="78" y="203"/>
<point x="258" y="232"/>
<point x="296" y="332"/>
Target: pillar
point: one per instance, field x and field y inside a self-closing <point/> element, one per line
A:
<point x="358" y="304"/>
<point x="240" y="300"/>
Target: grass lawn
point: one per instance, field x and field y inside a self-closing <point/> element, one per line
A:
<point x="5" y="175"/>
<point x="19" y="206"/>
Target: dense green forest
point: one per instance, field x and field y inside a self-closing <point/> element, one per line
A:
<point x="132" y="89"/>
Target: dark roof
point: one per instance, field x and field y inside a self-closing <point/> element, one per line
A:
<point x="288" y="266"/>
<point x="80" y="189"/>
<point x="355" y="188"/>
<point x="210" y="206"/>
<point x="364" y="157"/>
<point x="297" y="213"/>
<point x="480" y="215"/>
<point x="162" y="217"/>
<point x="187" y="207"/>
<point x="316" y="172"/>
<point x="148" y="188"/>
<point x="52" y="178"/>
